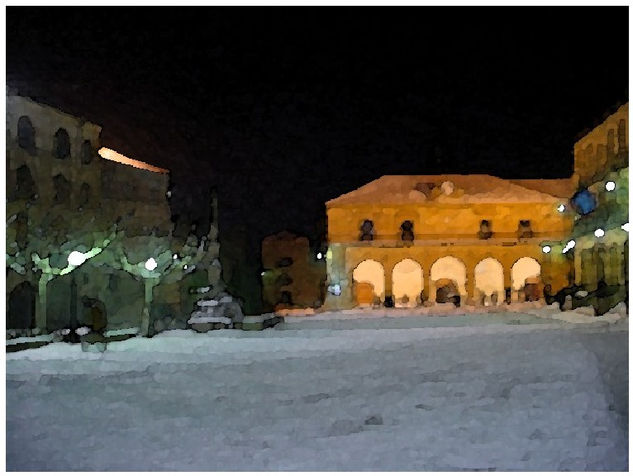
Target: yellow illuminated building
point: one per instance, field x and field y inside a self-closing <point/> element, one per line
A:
<point x="477" y="239"/>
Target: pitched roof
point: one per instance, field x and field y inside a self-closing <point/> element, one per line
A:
<point x="563" y="188"/>
<point x="450" y="188"/>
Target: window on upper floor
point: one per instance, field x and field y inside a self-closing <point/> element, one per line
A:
<point x="26" y="134"/>
<point x="62" y="188"/>
<point x="84" y="195"/>
<point x="285" y="262"/>
<point x="283" y="279"/>
<point x="87" y="152"/>
<point x="22" y="229"/>
<point x="525" y="229"/>
<point x="621" y="136"/>
<point x="25" y="187"/>
<point x="406" y="231"/>
<point x="61" y="144"/>
<point x="485" y="229"/>
<point x="367" y="231"/>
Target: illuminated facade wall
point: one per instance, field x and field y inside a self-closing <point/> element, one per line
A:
<point x="601" y="251"/>
<point x="604" y="149"/>
<point x="448" y="239"/>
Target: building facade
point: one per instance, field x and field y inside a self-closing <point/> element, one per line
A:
<point x="293" y="275"/>
<point x="405" y="240"/>
<point x="65" y="193"/>
<point x="600" y="233"/>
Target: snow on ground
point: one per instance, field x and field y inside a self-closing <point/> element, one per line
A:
<point x="518" y="393"/>
<point x="581" y="315"/>
<point x="442" y="315"/>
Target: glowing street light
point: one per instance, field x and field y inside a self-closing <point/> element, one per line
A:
<point x="570" y="244"/>
<point x="76" y="258"/>
<point x="319" y="255"/>
<point x="150" y="264"/>
<point x="610" y="186"/>
<point x="175" y="256"/>
<point x="561" y="208"/>
<point x="599" y="233"/>
<point x="547" y="249"/>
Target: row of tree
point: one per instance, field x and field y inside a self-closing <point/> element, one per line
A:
<point x="40" y="250"/>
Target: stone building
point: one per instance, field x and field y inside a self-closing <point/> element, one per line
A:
<point x="293" y="275"/>
<point x="600" y="233"/>
<point x="402" y="240"/>
<point x="405" y="240"/>
<point x="67" y="194"/>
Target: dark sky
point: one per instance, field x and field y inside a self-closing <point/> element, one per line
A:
<point x="282" y="109"/>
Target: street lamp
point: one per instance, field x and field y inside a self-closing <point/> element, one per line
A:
<point x="599" y="233"/>
<point x="75" y="258"/>
<point x="150" y="264"/>
<point x="570" y="244"/>
<point x="610" y="186"/>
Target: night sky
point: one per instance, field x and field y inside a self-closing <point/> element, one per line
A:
<point x="282" y="109"/>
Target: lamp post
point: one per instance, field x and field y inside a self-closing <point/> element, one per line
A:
<point x="149" y="283"/>
<point x="75" y="259"/>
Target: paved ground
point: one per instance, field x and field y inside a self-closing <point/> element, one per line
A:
<point x="527" y="396"/>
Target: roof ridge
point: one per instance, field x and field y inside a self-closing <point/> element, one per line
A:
<point x="400" y="188"/>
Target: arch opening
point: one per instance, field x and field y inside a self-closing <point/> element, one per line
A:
<point x="408" y="283"/>
<point x="61" y="147"/>
<point x="369" y="283"/>
<point x="526" y="279"/>
<point x="447" y="291"/>
<point x="26" y="134"/>
<point x="452" y="269"/>
<point x="489" y="287"/>
<point x="25" y="186"/>
<point x="21" y="307"/>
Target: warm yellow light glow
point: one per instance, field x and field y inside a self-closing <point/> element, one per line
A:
<point x="489" y="277"/>
<point x="407" y="281"/>
<point x="114" y="156"/>
<point x="523" y="269"/>
<point x="372" y="272"/>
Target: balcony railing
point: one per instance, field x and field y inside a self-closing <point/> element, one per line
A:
<point x="394" y="239"/>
